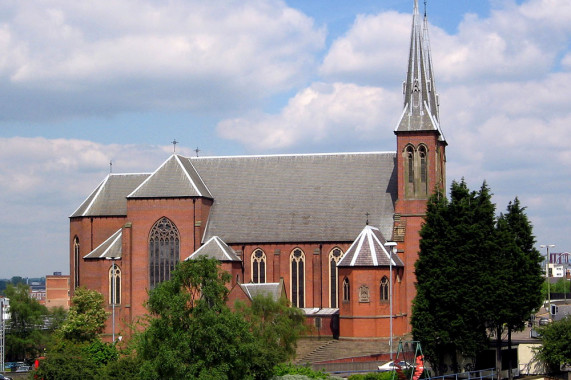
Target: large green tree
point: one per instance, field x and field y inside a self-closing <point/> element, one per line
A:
<point x="86" y="317"/>
<point x="192" y="334"/>
<point x="451" y="309"/>
<point x="27" y="333"/>
<point x="555" y="350"/>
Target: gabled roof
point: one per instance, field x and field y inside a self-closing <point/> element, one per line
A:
<point x="176" y="177"/>
<point x="215" y="248"/>
<point x="298" y="198"/>
<point x="110" y="248"/>
<point x="368" y="250"/>
<point x="420" y="111"/>
<point x="108" y="199"/>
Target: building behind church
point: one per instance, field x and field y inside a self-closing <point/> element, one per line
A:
<point x="317" y="224"/>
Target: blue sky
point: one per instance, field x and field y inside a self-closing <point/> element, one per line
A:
<point x="86" y="83"/>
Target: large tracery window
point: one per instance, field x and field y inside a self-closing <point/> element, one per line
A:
<point x="297" y="260"/>
<point x="258" y="267"/>
<point x="384" y="289"/>
<point x="115" y="285"/>
<point x="76" y="259"/>
<point x="334" y="257"/>
<point x="164" y="245"/>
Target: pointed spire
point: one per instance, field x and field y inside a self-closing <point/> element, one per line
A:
<point x="420" y="111"/>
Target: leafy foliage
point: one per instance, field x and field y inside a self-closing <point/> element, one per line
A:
<point x="86" y="317"/>
<point x="388" y="375"/>
<point x="556" y="344"/>
<point x="284" y="369"/>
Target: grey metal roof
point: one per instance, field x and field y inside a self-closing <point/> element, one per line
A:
<point x="298" y="198"/>
<point x="110" y="248"/>
<point x="272" y="289"/>
<point x="215" y="248"/>
<point x="176" y="177"/>
<point x="368" y="250"/>
<point x="420" y="111"/>
<point x="108" y="199"/>
<point x="320" y="311"/>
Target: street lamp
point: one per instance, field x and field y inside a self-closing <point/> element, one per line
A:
<point x="547" y="246"/>
<point x="391" y="248"/>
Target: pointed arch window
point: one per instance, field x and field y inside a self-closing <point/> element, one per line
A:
<point x="423" y="164"/>
<point x="410" y="163"/>
<point x="384" y="289"/>
<point x="164" y="246"/>
<point x="297" y="260"/>
<point x="115" y="285"/>
<point x="258" y="267"/>
<point x="346" y="290"/>
<point x="76" y="259"/>
<point x="334" y="257"/>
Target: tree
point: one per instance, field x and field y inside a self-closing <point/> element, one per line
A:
<point x="276" y="324"/>
<point x="26" y="336"/>
<point x="556" y="344"/>
<point x="456" y="252"/>
<point x="86" y="317"/>
<point x="192" y="334"/>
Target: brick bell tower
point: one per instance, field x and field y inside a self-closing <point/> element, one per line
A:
<point x="421" y="159"/>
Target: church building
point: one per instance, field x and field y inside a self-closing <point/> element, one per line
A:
<point x="337" y="234"/>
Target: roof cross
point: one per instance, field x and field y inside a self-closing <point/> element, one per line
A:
<point x="197" y="150"/>
<point x="367" y="222"/>
<point x="174" y="142"/>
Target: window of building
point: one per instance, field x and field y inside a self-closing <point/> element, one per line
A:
<point x="115" y="285"/>
<point x="258" y="267"/>
<point x="423" y="164"/>
<point x="76" y="259"/>
<point x="384" y="291"/>
<point x="346" y="290"/>
<point x="410" y="163"/>
<point x="164" y="245"/>
<point x="297" y="260"/>
<point x="334" y="257"/>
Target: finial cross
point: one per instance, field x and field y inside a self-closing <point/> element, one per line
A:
<point x="197" y="150"/>
<point x="174" y="142"/>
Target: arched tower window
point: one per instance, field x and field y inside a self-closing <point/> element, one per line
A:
<point x="423" y="164"/>
<point x="76" y="259"/>
<point x="164" y="245"/>
<point x="384" y="289"/>
<point x="297" y="260"/>
<point x="114" y="285"/>
<point x="346" y="290"/>
<point x="410" y="164"/>
<point x="334" y="257"/>
<point x="258" y="267"/>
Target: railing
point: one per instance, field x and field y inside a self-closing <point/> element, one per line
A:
<point x="489" y="373"/>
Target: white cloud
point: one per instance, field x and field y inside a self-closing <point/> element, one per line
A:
<point x="140" y="53"/>
<point x="315" y="115"/>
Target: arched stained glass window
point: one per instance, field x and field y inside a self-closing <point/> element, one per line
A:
<point x="346" y="290"/>
<point x="384" y="289"/>
<point x="297" y="260"/>
<point x="334" y="257"/>
<point x="164" y="245"/>
<point x="76" y="259"/>
<point x="114" y="285"/>
<point x="258" y="267"/>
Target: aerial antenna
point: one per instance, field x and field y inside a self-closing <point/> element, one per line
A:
<point x="197" y="150"/>
<point x="174" y="142"/>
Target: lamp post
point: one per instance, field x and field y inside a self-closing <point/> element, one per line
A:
<point x="547" y="246"/>
<point x="391" y="248"/>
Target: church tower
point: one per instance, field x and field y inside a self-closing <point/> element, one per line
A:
<point x="421" y="159"/>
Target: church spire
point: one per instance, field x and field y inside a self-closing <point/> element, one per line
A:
<point x="420" y="111"/>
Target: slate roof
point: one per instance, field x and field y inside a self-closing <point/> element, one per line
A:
<point x="176" y="177"/>
<point x="215" y="248"/>
<point x="110" y="248"/>
<point x="368" y="250"/>
<point x="298" y="198"/>
<point x="273" y="289"/>
<point x="109" y="198"/>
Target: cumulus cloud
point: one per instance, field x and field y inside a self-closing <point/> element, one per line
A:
<point x="97" y="56"/>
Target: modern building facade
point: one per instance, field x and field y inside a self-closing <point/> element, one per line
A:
<point x="317" y="224"/>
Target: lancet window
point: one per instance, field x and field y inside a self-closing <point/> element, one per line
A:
<point x="334" y="257"/>
<point x="297" y="260"/>
<point x="76" y="259"/>
<point x="384" y="289"/>
<point x="114" y="285"/>
<point x="258" y="267"/>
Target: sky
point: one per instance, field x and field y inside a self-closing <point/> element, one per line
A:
<point x="85" y="84"/>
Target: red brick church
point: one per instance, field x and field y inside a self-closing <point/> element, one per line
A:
<point x="311" y="227"/>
